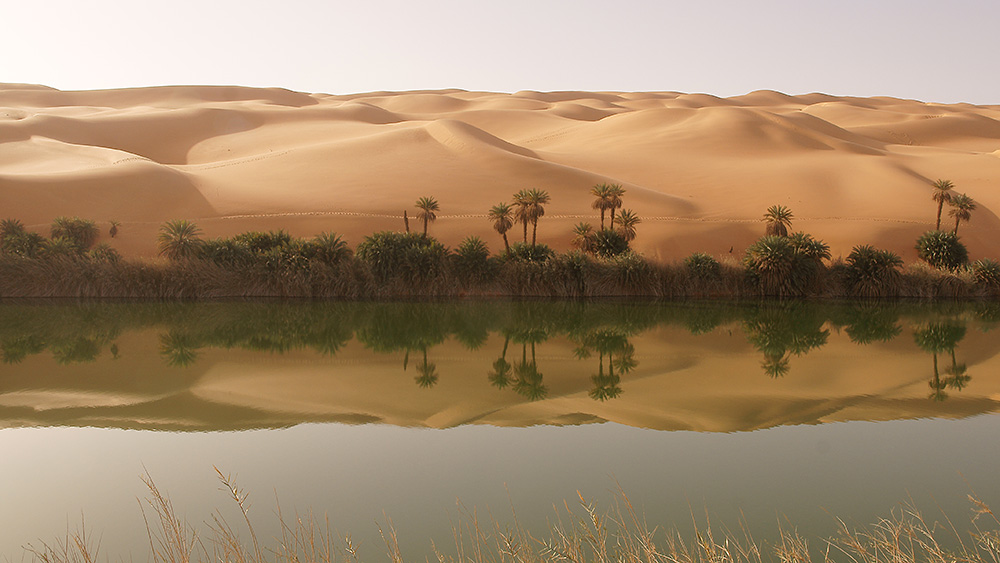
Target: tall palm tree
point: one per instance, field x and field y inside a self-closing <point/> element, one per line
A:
<point x="942" y="195"/>
<point x="604" y="199"/>
<point x="778" y="219"/>
<point x="627" y="220"/>
<point x="962" y="207"/>
<point x="583" y="237"/>
<point x="536" y="208"/>
<point x="617" y="192"/>
<point x="179" y="239"/>
<point x="113" y="231"/>
<point x="522" y="213"/>
<point x="502" y="216"/>
<point x="428" y="207"/>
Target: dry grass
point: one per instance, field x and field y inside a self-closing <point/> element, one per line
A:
<point x="580" y="533"/>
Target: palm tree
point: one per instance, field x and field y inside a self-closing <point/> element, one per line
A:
<point x="617" y="191"/>
<point x="627" y="220"/>
<point x="583" y="237"/>
<point x="179" y="239"/>
<point x="942" y="195"/>
<point x="536" y="200"/>
<point x="114" y="227"/>
<point x="502" y="216"/>
<point x="428" y="207"/>
<point x="604" y="199"/>
<point x="521" y="210"/>
<point x="778" y="219"/>
<point x="962" y="207"/>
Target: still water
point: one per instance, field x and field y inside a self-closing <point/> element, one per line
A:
<point x="370" y="412"/>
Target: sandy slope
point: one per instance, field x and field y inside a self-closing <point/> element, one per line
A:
<point x="699" y="170"/>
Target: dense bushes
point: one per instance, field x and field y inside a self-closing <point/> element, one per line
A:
<point x="942" y="250"/>
<point x="391" y="264"/>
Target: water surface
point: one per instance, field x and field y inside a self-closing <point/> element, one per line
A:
<point x="373" y="410"/>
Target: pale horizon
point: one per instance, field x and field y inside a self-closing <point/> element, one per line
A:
<point x="910" y="50"/>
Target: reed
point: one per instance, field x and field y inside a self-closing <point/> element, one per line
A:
<point x="579" y="532"/>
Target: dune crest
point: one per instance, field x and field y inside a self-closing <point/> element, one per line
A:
<point x="700" y="169"/>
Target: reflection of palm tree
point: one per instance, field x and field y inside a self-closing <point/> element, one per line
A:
<point x="937" y="338"/>
<point x="605" y="386"/>
<point x="782" y="330"/>
<point x="957" y="378"/>
<point x="937" y="386"/>
<point x="428" y="373"/>
<point x="775" y="365"/>
<point x="177" y="349"/>
<point x="528" y="380"/>
<point x="500" y="376"/>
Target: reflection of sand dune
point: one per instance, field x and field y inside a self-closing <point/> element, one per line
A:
<point x="706" y="383"/>
<point x="699" y="168"/>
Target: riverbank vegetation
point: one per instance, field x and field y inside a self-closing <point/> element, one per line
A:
<point x="579" y="532"/>
<point x="782" y="263"/>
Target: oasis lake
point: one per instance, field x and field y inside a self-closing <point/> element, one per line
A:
<point x="765" y="413"/>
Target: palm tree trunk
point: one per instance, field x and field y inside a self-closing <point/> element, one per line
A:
<point x="425" y="227"/>
<point x="506" y="245"/>
<point x="534" y="232"/>
<point x="612" y="217"/>
<point x="940" y="206"/>
<point x="602" y="221"/>
<point x="955" y="232"/>
<point x="506" y="341"/>
<point x="525" y="231"/>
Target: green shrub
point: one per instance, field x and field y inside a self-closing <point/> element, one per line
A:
<point x="179" y="239"/>
<point x="292" y="256"/>
<point x="632" y="273"/>
<point x="471" y="260"/>
<point x="871" y="272"/>
<point x="776" y="267"/>
<point x="609" y="243"/>
<point x="81" y="232"/>
<point x="260" y="242"/>
<point x="987" y="272"/>
<point x="104" y="253"/>
<point x="402" y="255"/>
<point x="226" y="252"/>
<point x="57" y="247"/>
<point x="23" y="243"/>
<point x="702" y="266"/>
<point x="10" y="227"/>
<point x="941" y="249"/>
<point x="330" y="248"/>
<point x="523" y="252"/>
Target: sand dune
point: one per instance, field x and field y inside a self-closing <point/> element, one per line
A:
<point x="699" y="169"/>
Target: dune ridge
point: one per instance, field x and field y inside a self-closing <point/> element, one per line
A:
<point x="699" y="169"/>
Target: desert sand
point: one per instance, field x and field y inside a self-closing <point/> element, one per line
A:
<point x="698" y="169"/>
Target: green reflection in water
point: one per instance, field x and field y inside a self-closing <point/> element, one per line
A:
<point x="601" y="333"/>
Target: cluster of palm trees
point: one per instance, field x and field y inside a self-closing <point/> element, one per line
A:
<point x="962" y="205"/>
<point x="608" y="197"/>
<point x="528" y="207"/>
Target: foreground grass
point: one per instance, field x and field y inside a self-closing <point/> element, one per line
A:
<point x="578" y="535"/>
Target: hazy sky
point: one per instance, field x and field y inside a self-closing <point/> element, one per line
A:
<point x="933" y="51"/>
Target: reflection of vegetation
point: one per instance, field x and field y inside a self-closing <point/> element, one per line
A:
<point x="500" y="376"/>
<point x="940" y="337"/>
<point x="868" y="323"/>
<point x="178" y="349"/>
<point x="603" y="331"/>
<point x="427" y="373"/>
<point x="779" y="330"/>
